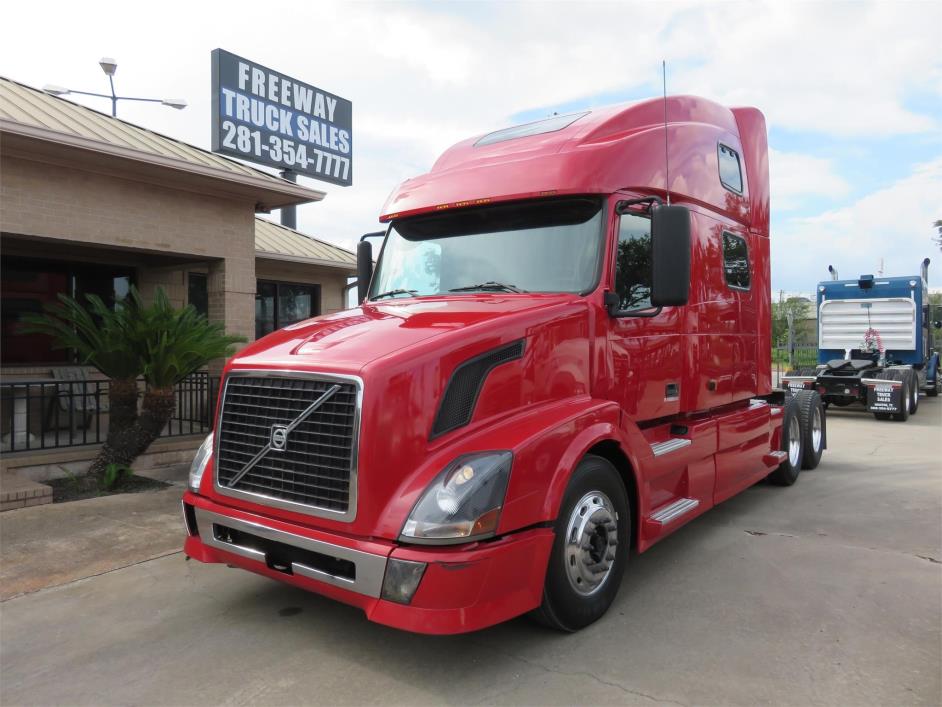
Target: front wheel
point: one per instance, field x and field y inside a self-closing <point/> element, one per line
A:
<point x="933" y="390"/>
<point x="590" y="550"/>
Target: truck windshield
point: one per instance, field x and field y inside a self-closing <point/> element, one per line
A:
<point x="535" y="246"/>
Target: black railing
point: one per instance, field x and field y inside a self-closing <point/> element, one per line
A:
<point x="798" y="357"/>
<point x="51" y="414"/>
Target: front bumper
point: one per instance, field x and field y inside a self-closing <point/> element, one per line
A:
<point x="463" y="588"/>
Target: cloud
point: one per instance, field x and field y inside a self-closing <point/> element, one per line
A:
<point x="842" y="69"/>
<point x="893" y="224"/>
<point x="793" y="176"/>
<point x="422" y="76"/>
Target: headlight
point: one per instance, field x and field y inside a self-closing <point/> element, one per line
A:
<point x="198" y="466"/>
<point x="463" y="502"/>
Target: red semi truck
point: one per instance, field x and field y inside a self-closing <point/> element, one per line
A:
<point x="557" y="362"/>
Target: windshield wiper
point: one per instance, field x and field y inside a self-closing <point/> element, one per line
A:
<point x="393" y="293"/>
<point x="490" y="285"/>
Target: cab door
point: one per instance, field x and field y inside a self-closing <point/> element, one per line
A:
<point x="645" y="344"/>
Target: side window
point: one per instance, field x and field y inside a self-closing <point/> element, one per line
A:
<point x="730" y="170"/>
<point x="633" y="263"/>
<point x="736" y="261"/>
<point x="198" y="293"/>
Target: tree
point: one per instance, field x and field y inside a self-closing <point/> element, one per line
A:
<point x="796" y="307"/>
<point x="633" y="284"/>
<point x="157" y="342"/>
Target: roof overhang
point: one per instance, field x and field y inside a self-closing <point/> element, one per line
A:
<point x="265" y="255"/>
<point x="54" y="147"/>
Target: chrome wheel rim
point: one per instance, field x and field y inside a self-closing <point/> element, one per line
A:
<point x="794" y="442"/>
<point x="816" y="433"/>
<point x="915" y="397"/>
<point x="591" y="541"/>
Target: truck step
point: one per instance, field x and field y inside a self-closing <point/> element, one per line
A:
<point x="774" y="458"/>
<point x="671" y="445"/>
<point x="672" y="511"/>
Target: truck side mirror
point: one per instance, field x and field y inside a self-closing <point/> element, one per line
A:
<point x="670" y="256"/>
<point x="364" y="268"/>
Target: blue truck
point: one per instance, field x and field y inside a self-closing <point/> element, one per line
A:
<point x="877" y="344"/>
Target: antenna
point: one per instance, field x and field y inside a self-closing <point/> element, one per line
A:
<point x="667" y="163"/>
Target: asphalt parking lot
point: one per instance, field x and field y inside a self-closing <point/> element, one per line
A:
<point x="828" y="592"/>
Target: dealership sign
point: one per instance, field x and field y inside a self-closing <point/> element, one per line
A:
<point x="266" y="117"/>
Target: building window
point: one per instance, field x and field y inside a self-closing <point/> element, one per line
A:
<point x="730" y="170"/>
<point x="27" y="285"/>
<point x="197" y="292"/>
<point x="278" y="304"/>
<point x="736" y="261"/>
<point x="633" y="263"/>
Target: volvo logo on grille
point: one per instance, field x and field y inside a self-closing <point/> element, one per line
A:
<point x="279" y="437"/>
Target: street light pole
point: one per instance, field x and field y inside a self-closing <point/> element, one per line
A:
<point x="109" y="66"/>
<point x="114" y="98"/>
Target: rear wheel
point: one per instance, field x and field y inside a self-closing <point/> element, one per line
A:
<point x="913" y="391"/>
<point x="788" y="470"/>
<point x="590" y="550"/>
<point x="811" y="418"/>
<point x="894" y="374"/>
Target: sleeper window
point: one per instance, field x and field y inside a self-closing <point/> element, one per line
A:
<point x="730" y="170"/>
<point x="736" y="261"/>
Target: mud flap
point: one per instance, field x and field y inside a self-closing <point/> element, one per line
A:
<point x="884" y="395"/>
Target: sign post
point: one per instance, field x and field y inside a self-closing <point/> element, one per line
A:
<point x="268" y="118"/>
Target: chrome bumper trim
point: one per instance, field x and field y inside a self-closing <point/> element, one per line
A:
<point x="881" y="381"/>
<point x="369" y="568"/>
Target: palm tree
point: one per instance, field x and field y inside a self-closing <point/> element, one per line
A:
<point x="157" y="342"/>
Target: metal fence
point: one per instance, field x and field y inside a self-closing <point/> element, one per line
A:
<point x="786" y="359"/>
<point x="44" y="414"/>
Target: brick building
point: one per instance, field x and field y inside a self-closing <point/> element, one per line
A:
<point x="93" y="204"/>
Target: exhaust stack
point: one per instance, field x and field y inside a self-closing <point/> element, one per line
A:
<point x="925" y="270"/>
<point x="833" y="272"/>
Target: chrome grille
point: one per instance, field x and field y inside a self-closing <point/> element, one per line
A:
<point x="315" y="471"/>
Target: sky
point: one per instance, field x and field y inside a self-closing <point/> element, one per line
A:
<point x="852" y="93"/>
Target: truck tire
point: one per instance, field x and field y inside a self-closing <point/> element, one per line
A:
<point x="913" y="391"/>
<point x="591" y="548"/>
<point x="894" y="374"/>
<point x="933" y="390"/>
<point x="811" y="416"/>
<point x="788" y="471"/>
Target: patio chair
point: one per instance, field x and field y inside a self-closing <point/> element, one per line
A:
<point x="74" y="393"/>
